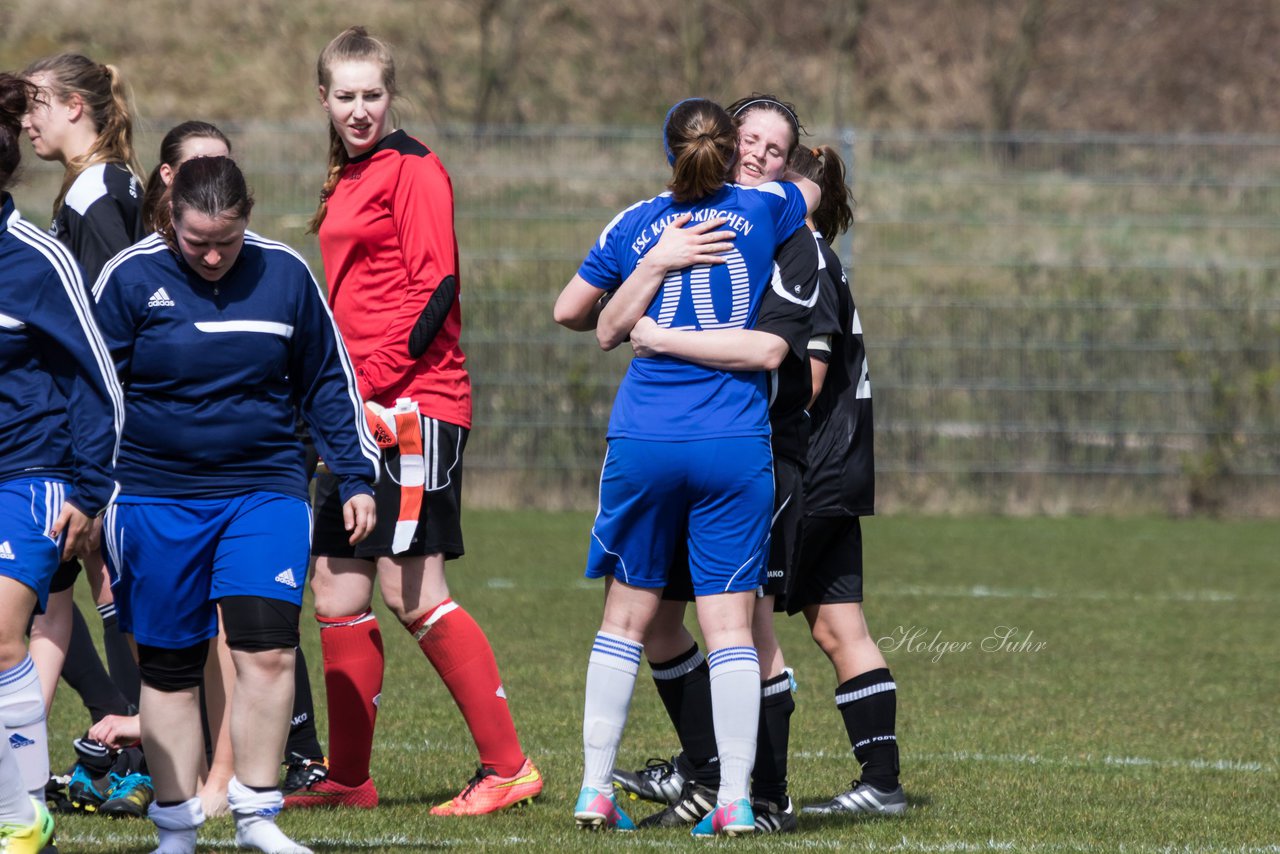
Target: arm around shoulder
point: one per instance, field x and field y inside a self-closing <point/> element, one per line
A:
<point x="720" y="349"/>
<point x="812" y="192"/>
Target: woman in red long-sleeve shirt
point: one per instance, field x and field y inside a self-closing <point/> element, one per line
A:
<point x="385" y="224"/>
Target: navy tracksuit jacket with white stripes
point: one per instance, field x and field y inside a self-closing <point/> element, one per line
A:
<point x="61" y="408"/>
<point x="215" y="373"/>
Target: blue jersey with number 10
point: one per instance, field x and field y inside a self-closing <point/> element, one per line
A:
<point x="669" y="399"/>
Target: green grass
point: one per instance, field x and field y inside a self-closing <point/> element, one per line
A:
<point x="1147" y="722"/>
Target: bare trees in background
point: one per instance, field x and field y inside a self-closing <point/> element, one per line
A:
<point x="1011" y="61"/>
<point x="1158" y="65"/>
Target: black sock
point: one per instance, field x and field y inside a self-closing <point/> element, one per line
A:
<point x="684" y="684"/>
<point x="769" y="779"/>
<point x="95" y="757"/>
<point x="130" y="761"/>
<point x="84" y="672"/>
<point x="120" y="660"/>
<point x="869" y="704"/>
<point x="302" y="729"/>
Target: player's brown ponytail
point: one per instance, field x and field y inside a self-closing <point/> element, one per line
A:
<point x="102" y="90"/>
<point x="823" y="166"/>
<point x="702" y="142"/>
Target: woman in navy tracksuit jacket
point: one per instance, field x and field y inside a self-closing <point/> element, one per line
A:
<point x="220" y="338"/>
<point x="60" y="417"/>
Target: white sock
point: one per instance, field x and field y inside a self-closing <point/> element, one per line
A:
<point x="735" y="713"/>
<point x="177" y="825"/>
<point x="255" y="813"/>
<point x="22" y="713"/>
<point x="611" y="677"/>
<point x="15" y="804"/>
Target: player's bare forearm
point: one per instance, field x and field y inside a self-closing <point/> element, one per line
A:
<point x="817" y="376"/>
<point x="721" y="349"/>
<point x="628" y="304"/>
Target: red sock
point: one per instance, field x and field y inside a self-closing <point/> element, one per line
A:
<point x="459" y="651"/>
<point x="352" y="648"/>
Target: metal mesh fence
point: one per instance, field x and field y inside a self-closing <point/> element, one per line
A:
<point x="1066" y="323"/>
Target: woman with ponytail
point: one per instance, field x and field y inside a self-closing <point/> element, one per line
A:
<point x="385" y="223"/>
<point x="768" y="131"/>
<point x="82" y="119"/>
<point x="62" y="413"/>
<point x="689" y="461"/>
<point x="182" y="142"/>
<point x="839" y="487"/>
<point x="822" y="485"/>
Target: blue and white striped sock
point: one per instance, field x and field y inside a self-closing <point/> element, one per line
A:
<point x="611" y="677"/>
<point x="735" y="710"/>
<point x="23" y="724"/>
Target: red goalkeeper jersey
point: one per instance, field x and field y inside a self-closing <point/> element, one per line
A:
<point x="387" y="242"/>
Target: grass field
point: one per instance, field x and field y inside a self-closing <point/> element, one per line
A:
<point x="1138" y="710"/>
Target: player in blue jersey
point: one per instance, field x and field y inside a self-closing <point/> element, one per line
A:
<point x="82" y="119"/>
<point x="824" y="580"/>
<point x="768" y="132"/>
<point x="220" y="337"/>
<point x="688" y="456"/>
<point x="304" y="756"/>
<point x="62" y="412"/>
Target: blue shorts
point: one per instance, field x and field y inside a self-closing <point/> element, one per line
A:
<point x="716" y="495"/>
<point x="28" y="552"/>
<point x="171" y="560"/>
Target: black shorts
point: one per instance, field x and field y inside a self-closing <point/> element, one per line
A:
<point x="64" y="577"/>
<point x="440" y="523"/>
<point x="830" y="568"/>
<point x="784" y="541"/>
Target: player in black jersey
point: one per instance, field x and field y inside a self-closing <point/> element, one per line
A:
<point x="839" y="489"/>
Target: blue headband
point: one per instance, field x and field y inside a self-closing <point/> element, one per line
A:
<point x="666" y="124"/>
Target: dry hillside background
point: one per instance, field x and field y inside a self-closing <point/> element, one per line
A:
<point x="1112" y="65"/>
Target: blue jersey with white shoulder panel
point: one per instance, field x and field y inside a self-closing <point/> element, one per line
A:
<point x="666" y="398"/>
<point x="61" y="405"/>
<point x="215" y="374"/>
